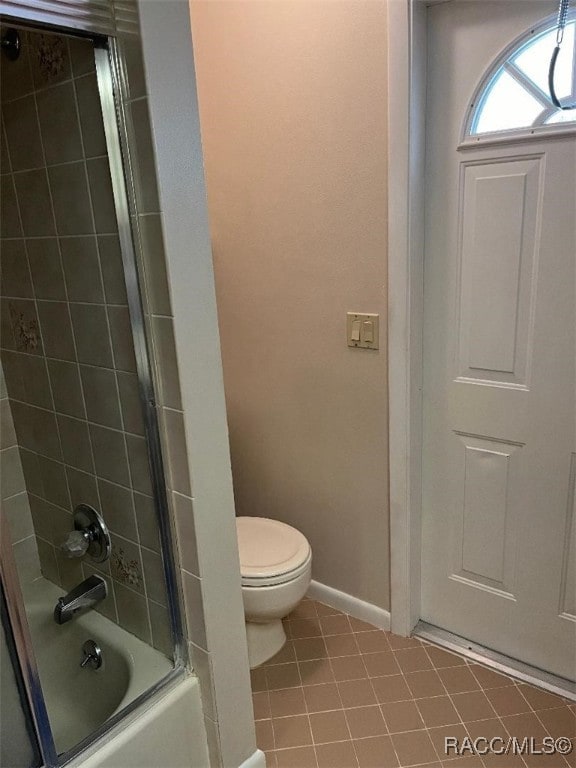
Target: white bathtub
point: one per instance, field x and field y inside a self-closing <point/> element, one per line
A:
<point x="79" y="699"/>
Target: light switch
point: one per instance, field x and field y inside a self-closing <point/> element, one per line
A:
<point x="368" y="331"/>
<point x="362" y="330"/>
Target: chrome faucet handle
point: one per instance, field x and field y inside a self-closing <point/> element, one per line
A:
<point x="89" y="537"/>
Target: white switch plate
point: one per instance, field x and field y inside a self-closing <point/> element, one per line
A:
<point x="368" y="323"/>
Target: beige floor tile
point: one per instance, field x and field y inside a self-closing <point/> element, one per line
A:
<point x="472" y="705"/>
<point x="292" y="731"/>
<point x="381" y="664"/>
<point x="283" y="676"/>
<point x="360" y="626"/>
<point x="491" y="728"/>
<point x="559" y="722"/>
<point x="316" y="671"/>
<point x="258" y="679"/>
<point x="299" y="757"/>
<point x="356" y="693"/>
<point x="431" y="765"/>
<point x="507" y="701"/>
<point x="571" y="758"/>
<point x="305" y="610"/>
<point x="309" y="627"/>
<point x="321" y="698"/>
<point x="335" y="625"/>
<point x="467" y="761"/>
<point x="372" y="642"/>
<point x="365" y="721"/>
<point x="398" y="643"/>
<point x="264" y="735"/>
<point x="376" y="752"/>
<point x="425" y="684"/>
<point x="288" y="701"/>
<point x="545" y="761"/>
<point x="285" y="655"/>
<point x="271" y="759"/>
<point x="339" y="755"/>
<point x="391" y="688"/>
<point x="348" y="668"/>
<point x="525" y="726"/>
<point x="439" y="735"/>
<point x="341" y="645"/>
<point x="414" y="748"/>
<point x="539" y="699"/>
<point x="441" y="658"/>
<point x="326" y="610"/>
<point x="488" y="678"/>
<point x="329" y="726"/>
<point x="310" y="648"/>
<point x="402" y="716"/>
<point x="458" y="679"/>
<point x="261" y="705"/>
<point x="359" y="697"/>
<point x="503" y="761"/>
<point x="437" y="711"/>
<point x="413" y="660"/>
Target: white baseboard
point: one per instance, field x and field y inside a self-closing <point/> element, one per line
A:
<point x="256" y="760"/>
<point x="349" y="604"/>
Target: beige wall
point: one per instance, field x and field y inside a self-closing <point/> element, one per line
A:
<point x="293" y="116"/>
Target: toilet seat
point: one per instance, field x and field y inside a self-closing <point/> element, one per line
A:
<point x="271" y="552"/>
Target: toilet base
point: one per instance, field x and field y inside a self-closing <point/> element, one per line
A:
<point x="264" y="641"/>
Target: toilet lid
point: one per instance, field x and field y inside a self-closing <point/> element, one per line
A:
<point x="269" y="548"/>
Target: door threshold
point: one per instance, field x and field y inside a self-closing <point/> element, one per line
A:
<point x="496" y="661"/>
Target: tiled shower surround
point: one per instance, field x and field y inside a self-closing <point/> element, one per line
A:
<point x="66" y="340"/>
<point x="13" y="496"/>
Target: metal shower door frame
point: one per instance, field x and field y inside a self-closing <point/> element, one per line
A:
<point x="110" y="79"/>
<point x="10" y="585"/>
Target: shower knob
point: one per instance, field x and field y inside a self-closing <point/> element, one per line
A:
<point x="76" y="544"/>
<point x="90" y="535"/>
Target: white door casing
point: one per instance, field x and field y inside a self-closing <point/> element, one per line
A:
<point x="499" y="402"/>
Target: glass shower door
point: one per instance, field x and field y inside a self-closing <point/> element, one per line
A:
<point x="79" y="438"/>
<point x="18" y="745"/>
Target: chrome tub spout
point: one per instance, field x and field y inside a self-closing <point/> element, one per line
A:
<point x="84" y="596"/>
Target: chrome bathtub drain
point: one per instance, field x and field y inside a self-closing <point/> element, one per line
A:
<point x="91" y="655"/>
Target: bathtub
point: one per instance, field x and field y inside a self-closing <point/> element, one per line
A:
<point x="79" y="699"/>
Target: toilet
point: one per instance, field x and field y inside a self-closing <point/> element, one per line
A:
<point x="276" y="567"/>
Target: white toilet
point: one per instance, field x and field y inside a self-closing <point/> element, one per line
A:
<point x="276" y="566"/>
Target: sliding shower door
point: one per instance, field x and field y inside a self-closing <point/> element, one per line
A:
<point x="79" y="436"/>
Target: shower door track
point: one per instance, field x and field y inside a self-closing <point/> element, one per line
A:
<point x="496" y="661"/>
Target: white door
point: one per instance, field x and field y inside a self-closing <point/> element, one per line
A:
<point x="499" y="455"/>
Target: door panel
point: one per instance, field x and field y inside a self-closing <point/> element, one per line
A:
<point x="499" y="362"/>
<point x="497" y="267"/>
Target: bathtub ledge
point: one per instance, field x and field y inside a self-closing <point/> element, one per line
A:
<point x="256" y="760"/>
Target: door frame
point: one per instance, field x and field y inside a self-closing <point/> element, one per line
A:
<point x="407" y="31"/>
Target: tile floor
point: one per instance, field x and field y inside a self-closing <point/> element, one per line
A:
<point x="343" y="694"/>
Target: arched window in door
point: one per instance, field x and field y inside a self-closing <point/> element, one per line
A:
<point x="514" y="96"/>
